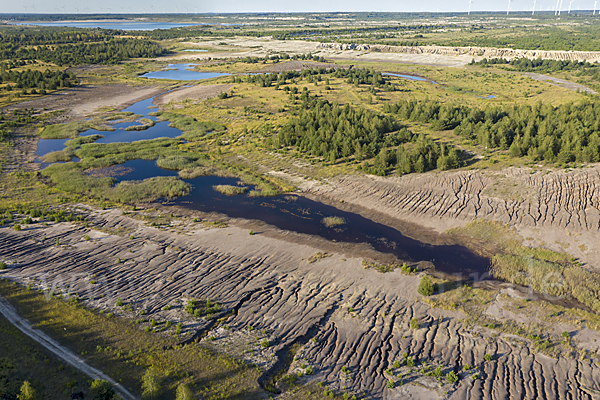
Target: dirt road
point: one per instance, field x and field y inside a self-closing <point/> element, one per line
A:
<point x="10" y="313"/>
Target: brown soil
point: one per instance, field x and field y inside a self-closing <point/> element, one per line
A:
<point x="82" y="101"/>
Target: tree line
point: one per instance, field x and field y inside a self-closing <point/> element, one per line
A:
<point x="112" y="51"/>
<point x="29" y="79"/>
<point x="567" y="133"/>
<point x="330" y="131"/>
<point x="538" y="64"/>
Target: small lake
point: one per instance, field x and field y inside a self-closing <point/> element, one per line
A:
<point x="288" y="212"/>
<point x="122" y="25"/>
<point x="182" y="72"/>
<point x="196" y="50"/>
<point x="161" y="129"/>
<point x="303" y="215"/>
<point x="409" y="77"/>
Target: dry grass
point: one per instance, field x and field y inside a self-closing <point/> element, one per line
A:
<point x="331" y="222"/>
<point x="230" y="190"/>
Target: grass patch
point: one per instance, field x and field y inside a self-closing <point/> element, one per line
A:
<point x="331" y="222"/>
<point x="80" y="140"/>
<point x="22" y="359"/>
<point x="58" y="156"/>
<point x="192" y="129"/>
<point x="73" y="129"/>
<point x="145" y="124"/>
<point x="71" y="178"/>
<point x="230" y="190"/>
<point x="318" y="256"/>
<point x="125" y="352"/>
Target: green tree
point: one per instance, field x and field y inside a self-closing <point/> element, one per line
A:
<point x="102" y="390"/>
<point x="414" y="323"/>
<point x="451" y="377"/>
<point x="27" y="392"/>
<point x="183" y="392"/>
<point x="151" y="384"/>
<point x="425" y="286"/>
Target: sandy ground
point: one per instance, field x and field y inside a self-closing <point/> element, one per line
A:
<point x="342" y="314"/>
<point x="194" y="93"/>
<point x="560" y="83"/>
<point x="556" y="209"/>
<point x="82" y="101"/>
<point x="425" y="55"/>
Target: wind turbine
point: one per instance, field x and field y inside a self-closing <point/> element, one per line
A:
<point x="533" y="11"/>
<point x="508" y="9"/>
<point x="595" y="4"/>
<point x="570" y="2"/>
<point x="560" y="7"/>
<point x="556" y="9"/>
<point x="470" y="2"/>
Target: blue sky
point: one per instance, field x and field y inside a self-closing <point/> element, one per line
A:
<point x="202" y="6"/>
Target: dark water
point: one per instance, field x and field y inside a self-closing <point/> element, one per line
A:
<point x="123" y="25"/>
<point x="181" y="72"/>
<point x="302" y="215"/>
<point x="409" y="77"/>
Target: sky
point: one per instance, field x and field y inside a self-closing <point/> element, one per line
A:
<point x="232" y="6"/>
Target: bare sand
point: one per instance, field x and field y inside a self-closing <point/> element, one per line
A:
<point x="342" y="314"/>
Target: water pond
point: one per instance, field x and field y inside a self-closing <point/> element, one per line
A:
<point x="303" y="215"/>
<point x="409" y="77"/>
<point x="181" y="72"/>
<point x="122" y="25"/>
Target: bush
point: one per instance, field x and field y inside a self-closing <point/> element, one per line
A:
<point x="151" y="384"/>
<point x="396" y="364"/>
<point x="27" y="392"/>
<point x="451" y="377"/>
<point x="414" y="323"/>
<point x="265" y="343"/>
<point x="3" y="265"/>
<point x="102" y="390"/>
<point x="390" y="384"/>
<point x="17" y="227"/>
<point x="487" y="357"/>
<point x="425" y="287"/>
<point x="184" y="392"/>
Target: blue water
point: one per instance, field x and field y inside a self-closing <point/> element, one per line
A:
<point x="409" y="77"/>
<point x="46" y="146"/>
<point x="123" y="25"/>
<point x="182" y="72"/>
<point x="196" y="50"/>
<point x="300" y="214"/>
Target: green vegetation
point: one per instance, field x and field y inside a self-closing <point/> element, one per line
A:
<point x="426" y="287"/>
<point x="118" y="348"/>
<point x="102" y="390"/>
<point x="318" y="256"/>
<point x="331" y="222"/>
<point x="230" y="190"/>
<point x="414" y="323"/>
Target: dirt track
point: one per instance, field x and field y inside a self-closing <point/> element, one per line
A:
<point x="11" y="315"/>
<point x="273" y="288"/>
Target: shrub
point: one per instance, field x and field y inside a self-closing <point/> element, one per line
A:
<point x="3" y="265"/>
<point x="17" y="227"/>
<point x="390" y="384"/>
<point x="425" y="287"/>
<point x="438" y="372"/>
<point x="487" y="357"/>
<point x="27" y="392"/>
<point x="102" y="390"/>
<point x="396" y="364"/>
<point x="184" y="392"/>
<point x="265" y="343"/>
<point x="119" y="303"/>
<point x="309" y="370"/>
<point x="151" y="384"/>
<point x="414" y="323"/>
<point x="451" y="377"/>
<point x="410" y="362"/>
